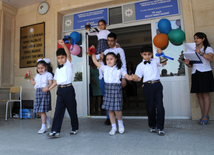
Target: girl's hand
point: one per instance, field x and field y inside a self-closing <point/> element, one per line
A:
<point x="159" y="51"/>
<point x="30" y="73"/>
<point x="164" y="63"/>
<point x="45" y="89"/>
<point x="135" y="77"/>
<point x="186" y="61"/>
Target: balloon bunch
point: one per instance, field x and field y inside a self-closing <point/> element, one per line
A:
<point x="71" y="43"/>
<point x="176" y="36"/>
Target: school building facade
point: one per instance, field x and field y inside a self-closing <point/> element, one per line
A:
<point x="124" y="17"/>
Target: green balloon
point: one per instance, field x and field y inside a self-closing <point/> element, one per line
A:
<point x="176" y="37"/>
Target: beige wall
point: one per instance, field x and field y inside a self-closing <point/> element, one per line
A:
<point x="197" y="16"/>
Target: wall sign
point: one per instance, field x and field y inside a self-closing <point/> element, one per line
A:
<point x="156" y="8"/>
<point x="92" y="17"/>
<point x="32" y="44"/>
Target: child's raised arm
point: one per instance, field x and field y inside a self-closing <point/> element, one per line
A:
<point x="95" y="61"/>
<point x="61" y="42"/>
<point x="32" y="80"/>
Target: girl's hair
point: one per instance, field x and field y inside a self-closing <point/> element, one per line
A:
<point x="202" y="35"/>
<point x="118" y="62"/>
<point x="103" y="21"/>
<point x="48" y="65"/>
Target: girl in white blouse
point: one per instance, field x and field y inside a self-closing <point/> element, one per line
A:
<point x="202" y="76"/>
<point x="42" y="103"/>
<point x="102" y="35"/>
<point x="112" y="100"/>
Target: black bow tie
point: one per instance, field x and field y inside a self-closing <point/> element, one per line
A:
<point x="59" y="66"/>
<point x="145" y="62"/>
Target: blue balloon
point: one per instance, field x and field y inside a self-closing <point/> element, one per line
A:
<point x="164" y="26"/>
<point x="76" y="36"/>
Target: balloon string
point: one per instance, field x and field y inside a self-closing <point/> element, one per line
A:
<point x="163" y="55"/>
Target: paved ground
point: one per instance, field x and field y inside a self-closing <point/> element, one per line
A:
<point x="183" y="137"/>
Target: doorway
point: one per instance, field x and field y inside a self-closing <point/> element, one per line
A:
<point x="131" y="40"/>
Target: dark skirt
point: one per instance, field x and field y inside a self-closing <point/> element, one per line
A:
<point x="102" y="46"/>
<point x="42" y="101"/>
<point x="202" y="82"/>
<point x="113" y="97"/>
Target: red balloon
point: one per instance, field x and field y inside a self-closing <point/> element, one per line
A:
<point x="161" y="40"/>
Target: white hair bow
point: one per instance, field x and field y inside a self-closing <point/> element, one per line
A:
<point x="44" y="59"/>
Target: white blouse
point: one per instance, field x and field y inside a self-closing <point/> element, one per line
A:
<point x="64" y="75"/>
<point x="149" y="72"/>
<point x="101" y="74"/>
<point x="112" y="74"/>
<point x="205" y="66"/>
<point x="102" y="34"/>
<point x="42" y="80"/>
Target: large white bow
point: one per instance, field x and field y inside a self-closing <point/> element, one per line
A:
<point x="44" y="59"/>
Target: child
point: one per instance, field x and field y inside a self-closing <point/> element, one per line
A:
<point x="202" y="76"/>
<point x="65" y="92"/>
<point x="42" y="103"/>
<point x="112" y="100"/>
<point x="152" y="89"/>
<point x="102" y="36"/>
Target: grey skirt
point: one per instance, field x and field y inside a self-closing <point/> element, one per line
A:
<point x="42" y="101"/>
<point x="112" y="99"/>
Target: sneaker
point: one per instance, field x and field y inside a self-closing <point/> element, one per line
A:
<point x="42" y="131"/>
<point x="112" y="132"/>
<point x="73" y="132"/>
<point x="107" y="122"/>
<point x="161" y="132"/>
<point x="121" y="130"/>
<point x="152" y="130"/>
<point x="53" y="135"/>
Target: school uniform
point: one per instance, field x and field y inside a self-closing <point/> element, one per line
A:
<point x="42" y="101"/>
<point x="152" y="91"/>
<point x="202" y="76"/>
<point x="102" y="44"/>
<point x="113" y="90"/>
<point x="65" y="97"/>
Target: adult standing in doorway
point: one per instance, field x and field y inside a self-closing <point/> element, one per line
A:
<point x="202" y="76"/>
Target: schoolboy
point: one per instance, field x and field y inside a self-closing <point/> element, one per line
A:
<point x="152" y="89"/>
<point x="65" y="92"/>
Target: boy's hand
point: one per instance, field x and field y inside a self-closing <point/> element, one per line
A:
<point x="61" y="42"/>
<point x="159" y="51"/>
<point x="164" y="63"/>
<point x="45" y="89"/>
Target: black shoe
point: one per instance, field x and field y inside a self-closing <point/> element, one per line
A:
<point x="107" y="122"/>
<point x="53" y="135"/>
<point x="73" y="132"/>
<point x="161" y="132"/>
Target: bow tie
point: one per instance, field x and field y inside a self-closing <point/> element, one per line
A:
<point x="145" y="62"/>
<point x="59" y="66"/>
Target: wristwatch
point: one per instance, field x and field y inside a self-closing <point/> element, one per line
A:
<point x="202" y="54"/>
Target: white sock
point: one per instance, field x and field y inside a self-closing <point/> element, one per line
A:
<point x="43" y="127"/>
<point x="114" y="127"/>
<point x="48" y="120"/>
<point x="120" y="124"/>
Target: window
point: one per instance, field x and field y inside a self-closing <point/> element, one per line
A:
<point x="115" y="15"/>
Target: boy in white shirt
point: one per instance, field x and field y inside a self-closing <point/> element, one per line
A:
<point x="152" y="89"/>
<point x="65" y="93"/>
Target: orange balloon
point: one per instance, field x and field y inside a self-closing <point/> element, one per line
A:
<point x="161" y="40"/>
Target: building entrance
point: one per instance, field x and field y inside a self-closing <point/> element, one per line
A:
<point x="131" y="40"/>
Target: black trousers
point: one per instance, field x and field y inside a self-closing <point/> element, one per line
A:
<point x="153" y="94"/>
<point x="65" y="99"/>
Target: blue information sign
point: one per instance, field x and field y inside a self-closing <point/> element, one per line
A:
<point x="156" y="8"/>
<point x="92" y="17"/>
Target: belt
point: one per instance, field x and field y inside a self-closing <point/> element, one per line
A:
<point x="62" y="86"/>
<point x="152" y="82"/>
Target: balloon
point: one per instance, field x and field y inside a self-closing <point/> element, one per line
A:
<point x="176" y="36"/>
<point x="60" y="46"/>
<point x="164" y="26"/>
<point x="75" y="50"/>
<point x="76" y="36"/>
<point x="161" y="40"/>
